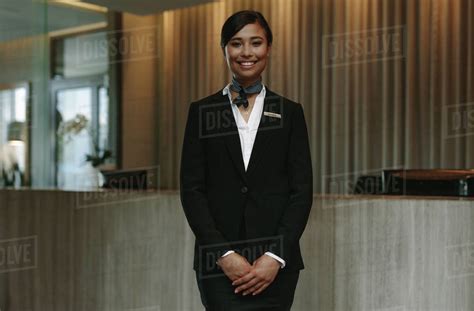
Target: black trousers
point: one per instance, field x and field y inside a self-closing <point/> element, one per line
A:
<point x="217" y="294"/>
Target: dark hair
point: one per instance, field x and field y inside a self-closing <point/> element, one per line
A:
<point x="239" y="20"/>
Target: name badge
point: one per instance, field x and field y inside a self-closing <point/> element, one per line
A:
<point x="272" y="114"/>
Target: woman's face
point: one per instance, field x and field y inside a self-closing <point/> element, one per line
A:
<point x="247" y="52"/>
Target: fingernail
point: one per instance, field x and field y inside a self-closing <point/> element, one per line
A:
<point x="236" y="291"/>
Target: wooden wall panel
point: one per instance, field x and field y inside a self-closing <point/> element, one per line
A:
<point x="122" y="251"/>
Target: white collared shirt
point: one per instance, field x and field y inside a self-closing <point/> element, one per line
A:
<point x="248" y="133"/>
<point x="247" y="130"/>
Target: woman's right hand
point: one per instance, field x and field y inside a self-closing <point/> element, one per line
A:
<point x="234" y="266"/>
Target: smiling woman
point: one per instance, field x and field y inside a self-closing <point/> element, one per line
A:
<point x="247" y="254"/>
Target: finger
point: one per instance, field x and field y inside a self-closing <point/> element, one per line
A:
<point x="261" y="289"/>
<point x="232" y="277"/>
<point x="244" y="279"/>
<point x="254" y="288"/>
<point x="247" y="285"/>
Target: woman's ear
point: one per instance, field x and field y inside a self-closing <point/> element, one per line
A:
<point x="269" y="49"/>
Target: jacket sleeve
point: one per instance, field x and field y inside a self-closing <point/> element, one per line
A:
<point x="300" y="173"/>
<point x="193" y="190"/>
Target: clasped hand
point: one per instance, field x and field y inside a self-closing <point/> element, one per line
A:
<point x="249" y="279"/>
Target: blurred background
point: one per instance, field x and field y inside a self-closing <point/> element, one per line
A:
<point x="90" y="87"/>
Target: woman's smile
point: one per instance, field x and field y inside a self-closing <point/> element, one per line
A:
<point x="247" y="65"/>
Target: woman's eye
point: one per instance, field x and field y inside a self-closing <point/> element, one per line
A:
<point x="235" y="44"/>
<point x="257" y="43"/>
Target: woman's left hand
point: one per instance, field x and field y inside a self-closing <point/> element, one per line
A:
<point x="262" y="274"/>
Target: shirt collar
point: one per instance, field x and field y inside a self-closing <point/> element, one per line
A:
<point x="253" y="121"/>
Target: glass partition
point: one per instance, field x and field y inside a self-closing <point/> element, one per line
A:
<point x="28" y="110"/>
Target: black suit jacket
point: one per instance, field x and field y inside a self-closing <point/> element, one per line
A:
<point x="226" y="204"/>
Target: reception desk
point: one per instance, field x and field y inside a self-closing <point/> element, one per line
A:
<point x="112" y="251"/>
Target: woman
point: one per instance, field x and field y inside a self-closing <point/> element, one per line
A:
<point x="246" y="180"/>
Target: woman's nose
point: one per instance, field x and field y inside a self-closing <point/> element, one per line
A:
<point x="247" y="50"/>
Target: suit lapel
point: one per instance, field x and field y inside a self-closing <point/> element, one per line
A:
<point x="231" y="135"/>
<point x="272" y="103"/>
<point x="266" y="128"/>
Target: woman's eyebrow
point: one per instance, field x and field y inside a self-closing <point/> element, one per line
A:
<point x="251" y="38"/>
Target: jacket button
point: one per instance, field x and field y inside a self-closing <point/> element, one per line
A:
<point x="244" y="189"/>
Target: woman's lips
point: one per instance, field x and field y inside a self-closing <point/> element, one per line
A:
<point x="247" y="64"/>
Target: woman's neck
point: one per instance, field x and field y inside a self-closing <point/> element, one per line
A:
<point x="247" y="83"/>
